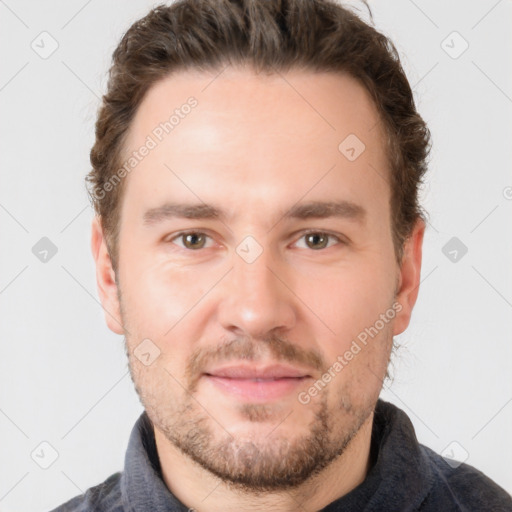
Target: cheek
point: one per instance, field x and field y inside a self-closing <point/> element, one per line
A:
<point x="164" y="305"/>
<point x="157" y="298"/>
<point x="347" y="303"/>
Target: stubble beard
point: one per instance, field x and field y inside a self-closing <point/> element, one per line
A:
<point x="254" y="463"/>
<point x="259" y="464"/>
<point x="251" y="464"/>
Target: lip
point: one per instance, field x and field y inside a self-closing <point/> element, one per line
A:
<point x="246" y="371"/>
<point x="257" y="383"/>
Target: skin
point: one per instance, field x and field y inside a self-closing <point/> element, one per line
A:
<point x="256" y="147"/>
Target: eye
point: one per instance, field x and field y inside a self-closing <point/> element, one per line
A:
<point x="315" y="240"/>
<point x="318" y="240"/>
<point x="192" y="240"/>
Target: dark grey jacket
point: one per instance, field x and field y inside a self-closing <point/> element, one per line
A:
<point x="405" y="475"/>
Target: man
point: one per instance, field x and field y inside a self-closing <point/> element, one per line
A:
<point x="258" y="242"/>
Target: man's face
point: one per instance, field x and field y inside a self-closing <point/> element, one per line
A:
<point x="251" y="307"/>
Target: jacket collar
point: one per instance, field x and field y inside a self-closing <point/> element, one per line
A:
<point x="401" y="476"/>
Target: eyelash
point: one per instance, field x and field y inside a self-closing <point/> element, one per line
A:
<point x="302" y="235"/>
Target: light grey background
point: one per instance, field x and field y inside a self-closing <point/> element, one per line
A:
<point x="63" y="376"/>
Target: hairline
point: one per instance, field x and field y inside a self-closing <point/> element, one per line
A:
<point x="388" y="142"/>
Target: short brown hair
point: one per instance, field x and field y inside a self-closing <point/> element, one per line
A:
<point x="273" y="36"/>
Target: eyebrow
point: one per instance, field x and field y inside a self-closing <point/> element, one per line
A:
<point x="310" y="210"/>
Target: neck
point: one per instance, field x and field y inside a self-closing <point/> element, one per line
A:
<point x="199" y="489"/>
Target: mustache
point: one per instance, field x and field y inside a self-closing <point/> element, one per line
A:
<point x="248" y="349"/>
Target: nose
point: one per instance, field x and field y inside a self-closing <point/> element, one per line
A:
<point x="256" y="298"/>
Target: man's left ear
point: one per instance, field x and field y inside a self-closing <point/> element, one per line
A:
<point x="409" y="281"/>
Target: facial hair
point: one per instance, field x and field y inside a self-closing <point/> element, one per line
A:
<point x="252" y="464"/>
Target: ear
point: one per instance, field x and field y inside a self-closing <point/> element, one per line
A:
<point x="105" y="278"/>
<point x="409" y="280"/>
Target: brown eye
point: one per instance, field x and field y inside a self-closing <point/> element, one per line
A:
<point x="317" y="240"/>
<point x="192" y="240"/>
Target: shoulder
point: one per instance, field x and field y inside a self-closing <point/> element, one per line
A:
<point x="104" y="497"/>
<point x="462" y="488"/>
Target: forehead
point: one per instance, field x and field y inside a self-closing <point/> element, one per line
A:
<point x="248" y="137"/>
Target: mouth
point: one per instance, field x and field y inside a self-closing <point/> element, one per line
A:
<point x="257" y="383"/>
